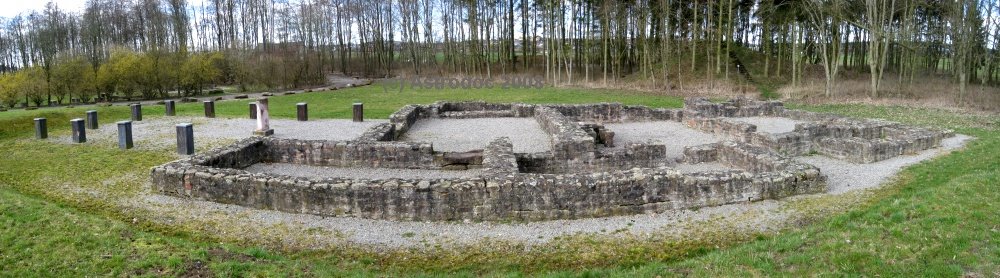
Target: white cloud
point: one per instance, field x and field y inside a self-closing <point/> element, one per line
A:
<point x="11" y="8"/>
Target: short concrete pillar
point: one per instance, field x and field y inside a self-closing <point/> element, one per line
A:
<point x="302" y="111"/>
<point x="79" y="132"/>
<point x="41" y="128"/>
<point x="263" y="119"/>
<point x="209" y="109"/>
<point x="125" y="135"/>
<point x="171" y="109"/>
<point x="253" y="110"/>
<point x="185" y="139"/>
<point x="92" y="119"/>
<point x="136" y="112"/>
<point x="359" y="112"/>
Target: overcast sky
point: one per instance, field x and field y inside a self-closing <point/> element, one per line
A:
<point x="11" y="8"/>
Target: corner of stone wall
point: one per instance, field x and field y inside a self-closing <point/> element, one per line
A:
<point x="404" y="118"/>
<point x="569" y="141"/>
<point x="701" y="153"/>
<point x="379" y="132"/>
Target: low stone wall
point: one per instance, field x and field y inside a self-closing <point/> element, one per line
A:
<point x="639" y="113"/>
<point x="578" y="178"/>
<point x="596" y="112"/>
<point x="788" y="143"/>
<point x="855" y="140"/>
<point x="379" y="132"/>
<point x="349" y="153"/>
<point x="739" y="107"/>
<point x="506" y="196"/>
<point x="499" y="158"/>
<point x="569" y="141"/>
<point x="721" y="126"/>
<point x="404" y="118"/>
<point x="701" y="153"/>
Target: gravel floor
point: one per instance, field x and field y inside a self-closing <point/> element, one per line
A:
<point x="459" y="135"/>
<point x="674" y="135"/>
<point x="770" y="124"/>
<point x="845" y="176"/>
<point x="308" y="171"/>
<point x="160" y="132"/>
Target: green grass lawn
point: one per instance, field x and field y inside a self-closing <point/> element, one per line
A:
<point x="939" y="219"/>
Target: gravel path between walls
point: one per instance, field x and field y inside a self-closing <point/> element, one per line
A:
<point x="844" y="176"/>
<point x="674" y="135"/>
<point x="759" y="217"/>
<point x="772" y="125"/>
<point x="309" y="171"/>
<point x="459" y="135"/>
<point x="161" y="133"/>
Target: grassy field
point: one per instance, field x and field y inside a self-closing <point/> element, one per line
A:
<point x="938" y="219"/>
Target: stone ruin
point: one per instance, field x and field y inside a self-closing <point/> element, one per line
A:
<point x="584" y="174"/>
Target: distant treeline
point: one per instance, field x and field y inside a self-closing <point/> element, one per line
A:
<point x="151" y="48"/>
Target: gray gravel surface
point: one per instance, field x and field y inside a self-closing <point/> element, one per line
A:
<point x="160" y="132"/>
<point x="845" y="176"/>
<point x="770" y="124"/>
<point x="309" y="171"/>
<point x="458" y="135"/>
<point x="674" y="135"/>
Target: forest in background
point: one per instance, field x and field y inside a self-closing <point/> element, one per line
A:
<point x="149" y="49"/>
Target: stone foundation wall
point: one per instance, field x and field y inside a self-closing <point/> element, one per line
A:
<point x="787" y="143"/>
<point x="598" y="112"/>
<point x="507" y="196"/>
<point x="721" y="126"/>
<point x="639" y="113"/>
<point x="379" y="132"/>
<point x="855" y="140"/>
<point x="576" y="179"/>
<point x="350" y="153"/>
<point x="701" y="153"/>
<point x="569" y="141"/>
<point x="404" y="118"/>
<point x="740" y="107"/>
<point x="499" y="158"/>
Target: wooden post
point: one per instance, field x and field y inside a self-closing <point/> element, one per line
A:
<point x="79" y="133"/>
<point x="359" y="112"/>
<point x="125" y="135"/>
<point x="92" y="119"/>
<point x="302" y="111"/>
<point x="41" y="128"/>
<point x="209" y="109"/>
<point x="170" y="110"/>
<point x="185" y="139"/>
<point x="136" y="112"/>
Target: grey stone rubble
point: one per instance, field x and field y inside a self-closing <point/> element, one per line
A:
<point x="584" y="174"/>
